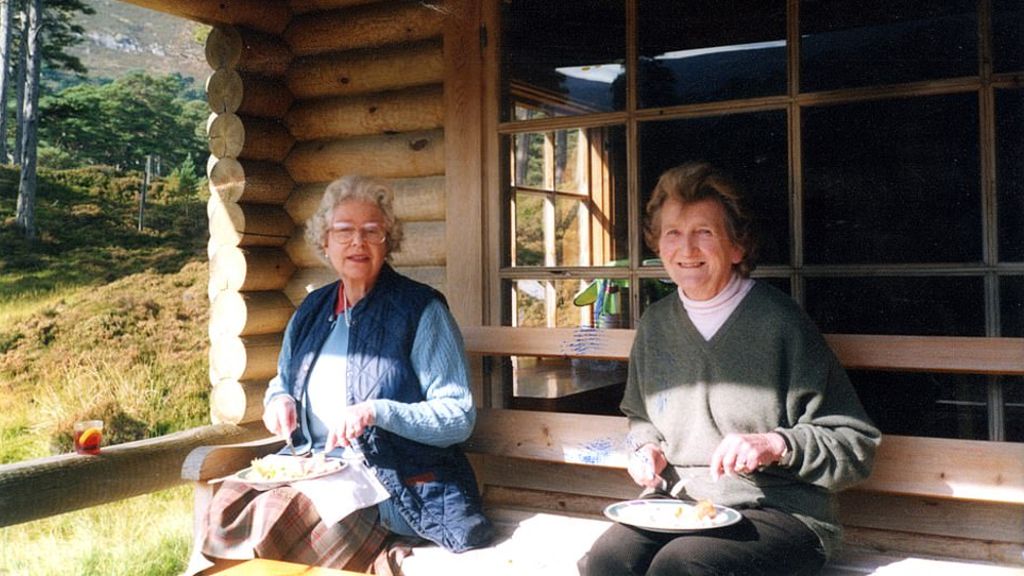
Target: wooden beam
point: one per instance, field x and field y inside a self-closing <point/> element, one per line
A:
<point x="261" y="15"/>
<point x="248" y="269"/>
<point x="247" y="50"/>
<point x="245" y="224"/>
<point x="244" y="358"/>
<point x="235" y="314"/>
<point x="369" y="26"/>
<point x="44" y="487"/>
<point x="304" y="6"/>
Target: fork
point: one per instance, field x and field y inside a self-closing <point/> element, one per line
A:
<point x="291" y="446"/>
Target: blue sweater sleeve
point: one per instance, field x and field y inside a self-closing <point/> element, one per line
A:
<point x="447" y="415"/>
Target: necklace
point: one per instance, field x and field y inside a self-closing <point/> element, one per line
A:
<point x="346" y="311"/>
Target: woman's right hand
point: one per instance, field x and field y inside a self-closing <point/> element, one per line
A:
<point x="280" y="417"/>
<point x="645" y="466"/>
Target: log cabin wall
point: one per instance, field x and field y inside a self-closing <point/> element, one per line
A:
<point x="346" y="87"/>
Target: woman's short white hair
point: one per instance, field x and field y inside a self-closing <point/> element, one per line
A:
<point x="360" y="189"/>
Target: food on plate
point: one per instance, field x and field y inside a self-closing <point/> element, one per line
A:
<point x="278" y="468"/>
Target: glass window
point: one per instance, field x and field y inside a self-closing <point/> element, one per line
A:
<point x="1013" y="396"/>
<point x="1010" y="173"/>
<point x="732" y="50"/>
<point x="562" y="58"/>
<point x="599" y="302"/>
<point x="568" y="200"/>
<point x="1007" y="35"/>
<point x="1011" y="309"/>
<point x="934" y="405"/>
<point x="893" y="181"/>
<point x="751" y="147"/>
<point x="921" y="306"/>
<point x="875" y="42"/>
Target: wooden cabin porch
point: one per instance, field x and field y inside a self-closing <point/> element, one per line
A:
<point x="304" y="91"/>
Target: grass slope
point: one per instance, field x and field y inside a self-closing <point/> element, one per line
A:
<point x="100" y="320"/>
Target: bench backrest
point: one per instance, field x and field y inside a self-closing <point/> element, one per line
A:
<point x="924" y="494"/>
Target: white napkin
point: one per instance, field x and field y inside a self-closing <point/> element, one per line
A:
<point x="335" y="496"/>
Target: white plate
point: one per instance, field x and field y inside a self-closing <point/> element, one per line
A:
<point x="250" y="477"/>
<point x="663" y="515"/>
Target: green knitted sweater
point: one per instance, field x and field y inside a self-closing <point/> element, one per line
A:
<point x="766" y="369"/>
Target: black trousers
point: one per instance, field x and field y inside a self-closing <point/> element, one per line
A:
<point x="765" y="543"/>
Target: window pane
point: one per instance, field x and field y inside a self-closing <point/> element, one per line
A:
<point x="892" y="181"/>
<point x="570" y="198"/>
<point x="1013" y="396"/>
<point x="933" y="405"/>
<point x="847" y="44"/>
<point x="1007" y="35"/>
<point x="567" y="385"/>
<point x="1011" y="306"/>
<point x="562" y="58"/>
<point x="1010" y="173"/>
<point x="750" y="147"/>
<point x="571" y="303"/>
<point x="923" y="306"/>
<point x="733" y="50"/>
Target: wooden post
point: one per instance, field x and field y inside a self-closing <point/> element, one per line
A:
<point x="391" y="156"/>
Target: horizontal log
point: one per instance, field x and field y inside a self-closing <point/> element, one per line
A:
<point x="263" y="96"/>
<point x="224" y="91"/>
<point x="270" y="17"/>
<point x="382" y="113"/>
<point x="225" y="135"/>
<point x="45" y="487"/>
<point x="361" y="73"/>
<point x="227" y="178"/>
<point x="212" y="462"/>
<point x="966" y="546"/>
<point x="237" y="224"/>
<point x="415" y="199"/>
<point x="244" y="358"/>
<point x="304" y="6"/>
<point x="406" y="155"/>
<point x="305" y="280"/>
<point x="247" y="50"/>
<point x="265" y="139"/>
<point x="233" y="402"/>
<point x="249" y="181"/>
<point x="235" y="314"/>
<point x="249" y="269"/>
<point x="368" y="26"/>
<point x="423" y="245"/>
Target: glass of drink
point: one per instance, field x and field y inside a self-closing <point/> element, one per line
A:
<point x="88" y="435"/>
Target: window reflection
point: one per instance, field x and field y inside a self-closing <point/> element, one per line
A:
<point x="847" y="44"/>
<point x="732" y="50"/>
<point x="562" y="58"/>
<point x="915" y="306"/>
<point x="893" y="181"/>
<point x="1010" y="173"/>
<point x="750" y="147"/>
<point x="591" y="302"/>
<point x="1013" y="396"/>
<point x="568" y="197"/>
<point x="1011" y="311"/>
<point x="932" y="405"/>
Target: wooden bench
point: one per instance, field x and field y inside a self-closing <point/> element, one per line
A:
<point x="931" y="505"/>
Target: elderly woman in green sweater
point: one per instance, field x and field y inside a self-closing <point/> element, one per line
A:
<point x="733" y="396"/>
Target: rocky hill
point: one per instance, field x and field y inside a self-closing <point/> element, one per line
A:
<point x="121" y="37"/>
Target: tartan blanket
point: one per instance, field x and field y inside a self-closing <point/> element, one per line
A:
<point x="282" y="524"/>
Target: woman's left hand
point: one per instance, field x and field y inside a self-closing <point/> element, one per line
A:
<point x="354" y="420"/>
<point x="745" y="453"/>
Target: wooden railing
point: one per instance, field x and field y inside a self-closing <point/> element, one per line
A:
<point x="49" y="486"/>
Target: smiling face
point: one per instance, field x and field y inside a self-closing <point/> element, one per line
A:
<point x="695" y="247"/>
<point x="358" y="263"/>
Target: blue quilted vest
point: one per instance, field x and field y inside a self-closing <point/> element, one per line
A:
<point x="433" y="488"/>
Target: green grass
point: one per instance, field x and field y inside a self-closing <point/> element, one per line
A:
<point x="100" y="320"/>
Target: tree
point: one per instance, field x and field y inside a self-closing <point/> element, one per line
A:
<point x="27" y="184"/>
<point x="5" y="59"/>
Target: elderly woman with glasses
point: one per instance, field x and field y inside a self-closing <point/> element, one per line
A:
<point x="733" y="398"/>
<point x="372" y="370"/>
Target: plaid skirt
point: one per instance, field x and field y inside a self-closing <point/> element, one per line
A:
<point x="282" y="524"/>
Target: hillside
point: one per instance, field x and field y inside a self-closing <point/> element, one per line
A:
<point x="121" y="37"/>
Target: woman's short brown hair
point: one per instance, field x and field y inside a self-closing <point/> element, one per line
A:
<point x="694" y="182"/>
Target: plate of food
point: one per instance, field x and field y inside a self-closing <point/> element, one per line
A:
<point x="670" y="515"/>
<point x="278" y="469"/>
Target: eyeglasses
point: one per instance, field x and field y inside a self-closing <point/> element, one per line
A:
<point x="346" y="234"/>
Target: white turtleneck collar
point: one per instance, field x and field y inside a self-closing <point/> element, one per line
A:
<point x="709" y="315"/>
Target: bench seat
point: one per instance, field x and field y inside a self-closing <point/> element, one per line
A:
<point x="535" y="543"/>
